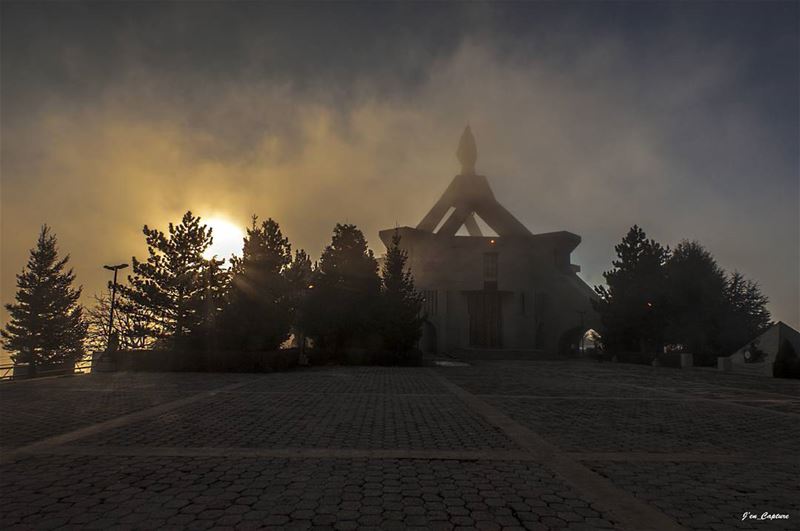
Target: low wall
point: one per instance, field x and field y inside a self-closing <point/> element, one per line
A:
<point x="23" y="370"/>
<point x="204" y="361"/>
<point x="238" y="361"/>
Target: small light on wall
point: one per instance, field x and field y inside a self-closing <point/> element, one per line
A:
<point x="492" y="241"/>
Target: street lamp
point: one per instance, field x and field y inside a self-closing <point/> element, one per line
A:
<point x="115" y="269"/>
<point x="302" y="358"/>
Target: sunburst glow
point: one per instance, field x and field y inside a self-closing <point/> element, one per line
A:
<point x="227" y="238"/>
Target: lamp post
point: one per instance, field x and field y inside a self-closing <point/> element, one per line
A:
<point x="115" y="269"/>
<point x="302" y="357"/>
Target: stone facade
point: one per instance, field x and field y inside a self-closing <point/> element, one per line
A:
<point x="515" y="291"/>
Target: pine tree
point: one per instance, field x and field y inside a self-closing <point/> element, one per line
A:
<point x="258" y="313"/>
<point x="341" y="309"/>
<point x="299" y="272"/>
<point x="633" y="306"/>
<point x="745" y="316"/>
<point x="299" y="276"/>
<point x="696" y="300"/>
<point x="47" y="324"/>
<point x="401" y="322"/>
<point x="215" y="281"/>
<point x="172" y="286"/>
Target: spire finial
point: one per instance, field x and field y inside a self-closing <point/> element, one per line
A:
<point x="467" y="152"/>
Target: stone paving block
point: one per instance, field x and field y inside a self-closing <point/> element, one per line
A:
<point x="35" y="417"/>
<point x="351" y="380"/>
<point x="313" y="421"/>
<point x="29" y="483"/>
<point x="33" y="410"/>
<point x="588" y="407"/>
<point x="654" y="426"/>
<point x="507" y="381"/>
<point x="709" y="495"/>
<point x="518" y="377"/>
<point x="696" y="382"/>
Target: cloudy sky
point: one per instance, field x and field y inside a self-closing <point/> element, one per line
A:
<point x="589" y="117"/>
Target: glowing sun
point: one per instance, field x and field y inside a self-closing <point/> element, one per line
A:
<point x="227" y="238"/>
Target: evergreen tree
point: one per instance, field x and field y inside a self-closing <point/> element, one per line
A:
<point x="633" y="306"/>
<point x="787" y="363"/>
<point x="299" y="276"/>
<point x="300" y="272"/>
<point x="211" y="301"/>
<point x="47" y="324"/>
<point x="696" y="300"/>
<point x="745" y="315"/>
<point x="401" y="322"/>
<point x="258" y="315"/>
<point x="341" y="309"/>
<point x="172" y="286"/>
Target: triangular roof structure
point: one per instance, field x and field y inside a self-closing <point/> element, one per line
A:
<point x="469" y="195"/>
<point x="782" y="331"/>
<point x="787" y="332"/>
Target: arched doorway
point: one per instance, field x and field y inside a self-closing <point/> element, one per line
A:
<point x="591" y="345"/>
<point x="579" y="342"/>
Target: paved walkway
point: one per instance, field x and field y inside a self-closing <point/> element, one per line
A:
<point x="511" y="445"/>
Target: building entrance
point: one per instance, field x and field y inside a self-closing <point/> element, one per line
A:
<point x="485" y="319"/>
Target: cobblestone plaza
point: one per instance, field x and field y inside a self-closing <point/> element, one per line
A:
<point x="494" y="445"/>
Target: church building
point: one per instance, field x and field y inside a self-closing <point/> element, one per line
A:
<point x="513" y="293"/>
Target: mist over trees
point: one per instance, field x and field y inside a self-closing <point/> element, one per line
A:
<point x="681" y="298"/>
<point x="178" y="300"/>
<point x="47" y="326"/>
<point x="655" y="299"/>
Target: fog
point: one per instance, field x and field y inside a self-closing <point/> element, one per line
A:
<point x="577" y="130"/>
